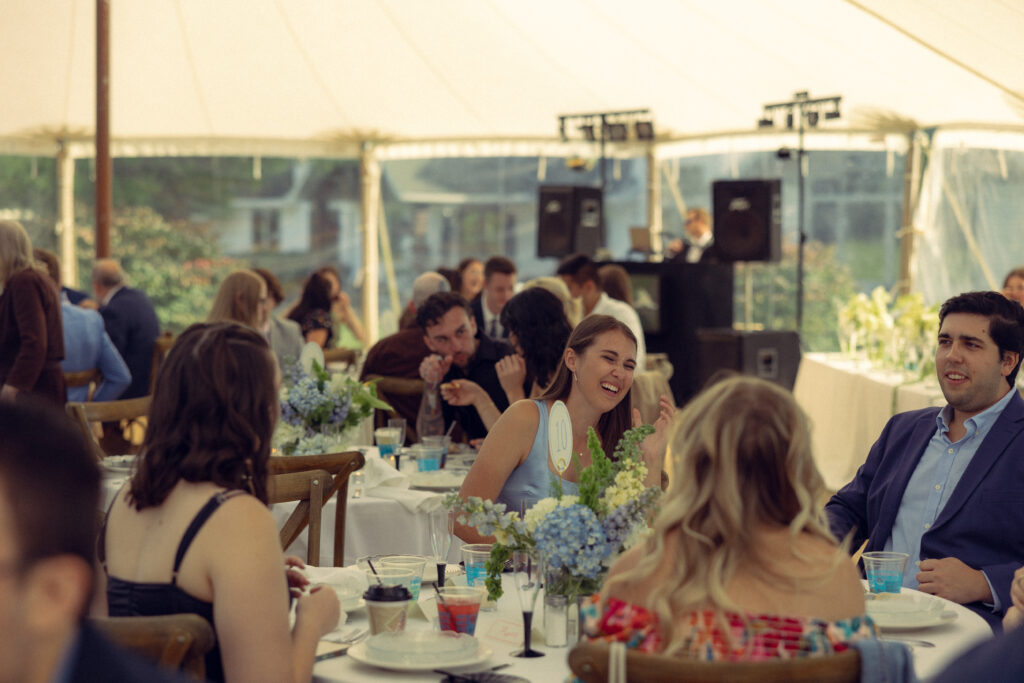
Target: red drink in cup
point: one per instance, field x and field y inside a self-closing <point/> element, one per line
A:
<point x="458" y="607"/>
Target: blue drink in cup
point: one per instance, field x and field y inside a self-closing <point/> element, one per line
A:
<point x="387" y="440"/>
<point x="429" y="458"/>
<point x="884" y="571"/>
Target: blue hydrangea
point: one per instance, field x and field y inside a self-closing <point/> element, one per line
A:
<point x="620" y="522"/>
<point x="572" y="537"/>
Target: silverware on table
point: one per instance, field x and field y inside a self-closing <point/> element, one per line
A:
<point x="332" y="654"/>
<point x="357" y="637"/>
<point x="908" y="641"/>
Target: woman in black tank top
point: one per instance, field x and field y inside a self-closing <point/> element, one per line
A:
<point x="192" y="532"/>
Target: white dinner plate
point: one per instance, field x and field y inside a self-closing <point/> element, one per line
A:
<point x="359" y="653"/>
<point x="908" y="611"/>
<point x="436" y="481"/>
<point x="430" y="571"/>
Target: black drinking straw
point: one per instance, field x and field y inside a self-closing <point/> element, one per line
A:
<point x="375" y="574"/>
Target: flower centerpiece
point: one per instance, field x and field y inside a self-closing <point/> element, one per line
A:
<point x="318" y="408"/>
<point x="578" y="536"/>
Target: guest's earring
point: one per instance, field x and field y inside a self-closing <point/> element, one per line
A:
<point x="575" y="377"/>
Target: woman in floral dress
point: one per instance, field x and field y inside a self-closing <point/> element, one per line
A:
<point x="740" y="564"/>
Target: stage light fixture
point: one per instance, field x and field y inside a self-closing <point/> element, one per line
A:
<point x="834" y="113"/>
<point x="812" y="119"/>
<point x="766" y="122"/>
<point x="644" y="130"/>
<point x="789" y="119"/>
<point x="617" y="132"/>
<point x="588" y="132"/>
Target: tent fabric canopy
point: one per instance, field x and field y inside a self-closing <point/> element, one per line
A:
<point x="314" y="73"/>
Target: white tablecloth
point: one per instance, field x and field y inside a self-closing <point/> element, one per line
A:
<point x="848" y="403"/>
<point x="502" y="630"/>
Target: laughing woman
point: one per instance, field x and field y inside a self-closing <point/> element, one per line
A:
<point x="593" y="379"/>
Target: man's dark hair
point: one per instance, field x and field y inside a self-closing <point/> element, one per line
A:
<point x="274" y="288"/>
<point x="52" y="482"/>
<point x="581" y="268"/>
<point x="1006" y="321"/>
<point x="48" y="259"/>
<point x="437" y="305"/>
<point x="498" y="264"/>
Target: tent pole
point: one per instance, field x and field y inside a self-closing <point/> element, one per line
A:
<point x="66" y="214"/>
<point x="104" y="166"/>
<point x="369" y="174"/>
<point x="911" y="192"/>
<point x="389" y="264"/>
<point x="654" y="201"/>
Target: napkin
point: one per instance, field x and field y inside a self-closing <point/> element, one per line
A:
<point x="413" y="501"/>
<point x="349" y="579"/>
<point x="378" y="473"/>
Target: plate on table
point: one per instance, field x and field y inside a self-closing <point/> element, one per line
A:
<point x="430" y="571"/>
<point x="907" y="611"/>
<point x="436" y="481"/>
<point x="422" y="651"/>
<point x="119" y="464"/>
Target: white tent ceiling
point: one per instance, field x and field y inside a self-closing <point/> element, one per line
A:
<point x="306" y="72"/>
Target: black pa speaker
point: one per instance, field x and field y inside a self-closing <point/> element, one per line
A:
<point x="570" y="220"/>
<point x="748" y="220"/>
<point x="773" y="355"/>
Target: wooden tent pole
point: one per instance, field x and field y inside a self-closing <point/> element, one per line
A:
<point x="104" y="166"/>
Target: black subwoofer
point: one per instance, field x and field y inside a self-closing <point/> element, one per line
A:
<point x="748" y="220"/>
<point x="773" y="355"/>
<point x="570" y="220"/>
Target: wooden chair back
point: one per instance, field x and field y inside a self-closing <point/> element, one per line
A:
<point x="83" y="378"/>
<point x="126" y="413"/>
<point x="396" y="386"/>
<point x="341" y="466"/>
<point x="174" y="641"/>
<point x="589" y="662"/>
<point x="306" y="487"/>
<point x="161" y="346"/>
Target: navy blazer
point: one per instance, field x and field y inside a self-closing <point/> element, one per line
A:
<point x="982" y="523"/>
<point x="133" y="326"/>
<point x="477" y="304"/>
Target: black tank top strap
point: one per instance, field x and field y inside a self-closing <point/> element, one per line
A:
<point x="101" y="538"/>
<point x="197" y="523"/>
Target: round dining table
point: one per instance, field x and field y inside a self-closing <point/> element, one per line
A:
<point x="501" y="631"/>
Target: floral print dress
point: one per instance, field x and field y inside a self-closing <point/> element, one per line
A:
<point x="749" y="638"/>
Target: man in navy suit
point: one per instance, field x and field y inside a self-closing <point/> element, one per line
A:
<point x="46" y="556"/>
<point x="946" y="485"/>
<point x="499" y="287"/>
<point x="130" y="320"/>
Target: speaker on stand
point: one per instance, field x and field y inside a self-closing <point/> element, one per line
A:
<point x="570" y="220"/>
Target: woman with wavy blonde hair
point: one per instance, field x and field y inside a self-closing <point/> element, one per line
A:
<point x="241" y="298"/>
<point x="740" y="564"/>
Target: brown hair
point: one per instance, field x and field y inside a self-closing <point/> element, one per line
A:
<point x="615" y="282"/>
<point x="212" y="416"/>
<point x="498" y="264"/>
<point x="274" y="288"/>
<point x="616" y="421"/>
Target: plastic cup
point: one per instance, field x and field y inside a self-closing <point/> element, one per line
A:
<point x="391" y="575"/>
<point x="386" y="606"/>
<point x="475" y="556"/>
<point x="429" y="458"/>
<point x="458" y="608"/>
<point x="884" y="571"/>
<point x="387" y="440"/>
<point x="443" y="442"/>
<point x="414" y="563"/>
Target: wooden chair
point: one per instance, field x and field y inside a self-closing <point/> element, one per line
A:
<point x="127" y="413"/>
<point x="340" y="465"/>
<point x="396" y="386"/>
<point x="161" y="346"/>
<point x="308" y="487"/>
<point x="589" y="661"/>
<point x="339" y="355"/>
<point x="174" y="641"/>
<point x="84" y="378"/>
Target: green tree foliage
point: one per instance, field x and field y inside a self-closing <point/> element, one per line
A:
<point x="178" y="265"/>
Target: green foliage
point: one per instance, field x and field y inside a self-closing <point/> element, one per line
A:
<point x="178" y="266"/>
<point x="495" y="565"/>
<point x="595" y="478"/>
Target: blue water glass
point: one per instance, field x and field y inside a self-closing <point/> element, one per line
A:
<point x="429" y="459"/>
<point x="884" y="571"/>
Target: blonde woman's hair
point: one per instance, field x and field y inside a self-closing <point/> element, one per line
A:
<point x="742" y="461"/>
<point x="238" y="299"/>
<point x="15" y="250"/>
<point x="557" y="286"/>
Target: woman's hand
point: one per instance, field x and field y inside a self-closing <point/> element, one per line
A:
<point x="297" y="581"/>
<point x="8" y="393"/>
<point x="319" y="608"/>
<point x="653" y="447"/>
<point x="511" y="374"/>
<point x="342" y="307"/>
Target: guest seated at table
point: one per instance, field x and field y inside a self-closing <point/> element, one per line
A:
<point x="191" y="531"/>
<point x="1013" y="285"/>
<point x="740" y="564"/>
<point x="593" y="380"/>
<point x="343" y="310"/>
<point x="1000" y="659"/>
<point x="241" y="298"/>
<point x="460" y="352"/>
<point x="471" y="278"/>
<point x="315" y="312"/>
<point x="943" y="485"/>
<point x="556" y="285"/>
<point x="538" y="331"/>
<point x="284" y="335"/>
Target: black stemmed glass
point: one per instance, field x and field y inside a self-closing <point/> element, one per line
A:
<point x="528" y="571"/>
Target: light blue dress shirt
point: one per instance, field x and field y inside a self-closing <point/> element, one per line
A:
<point x="933" y="481"/>
<point x="86" y="346"/>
